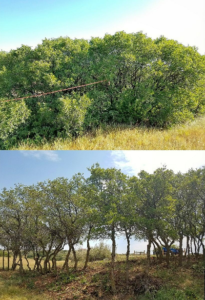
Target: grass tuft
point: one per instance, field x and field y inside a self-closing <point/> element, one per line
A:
<point x="189" y="136"/>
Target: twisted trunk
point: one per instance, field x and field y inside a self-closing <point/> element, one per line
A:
<point x="65" y="265"/>
<point x="75" y="257"/>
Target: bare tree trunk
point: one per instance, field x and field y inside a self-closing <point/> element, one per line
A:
<point x="8" y="259"/>
<point x="47" y="266"/>
<point x="113" y="260"/>
<point x="65" y="265"/>
<point x="127" y="256"/>
<point x="195" y="247"/>
<point x="28" y="266"/>
<point x="155" y="250"/>
<point x="88" y="253"/>
<point x="52" y="257"/>
<point x="20" y="263"/>
<point x="54" y="266"/>
<point x="180" y="250"/>
<point x="128" y="245"/>
<point x="3" y="259"/>
<point x="204" y="265"/>
<point x="75" y="258"/>
<point x="188" y="249"/>
<point x="37" y="265"/>
<point x="167" y="254"/>
<point x="148" y="255"/>
<point x="15" y="254"/>
<point x="159" y="250"/>
<point x="191" y="246"/>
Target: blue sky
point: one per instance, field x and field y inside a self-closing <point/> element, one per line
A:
<point x="30" y="167"/>
<point x="29" y="22"/>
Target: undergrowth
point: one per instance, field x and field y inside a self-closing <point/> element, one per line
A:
<point x="160" y="283"/>
<point x="189" y="136"/>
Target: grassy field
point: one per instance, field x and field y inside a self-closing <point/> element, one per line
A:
<point x="189" y="136"/>
<point x="179" y="283"/>
<point x="31" y="263"/>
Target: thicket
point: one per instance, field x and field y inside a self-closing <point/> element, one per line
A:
<point x="163" y="208"/>
<point x="152" y="82"/>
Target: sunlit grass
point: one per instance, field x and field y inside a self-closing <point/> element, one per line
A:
<point x="189" y="136"/>
<point x="31" y="263"/>
<point x="11" y="291"/>
<point x="175" y="283"/>
<point x="16" y="293"/>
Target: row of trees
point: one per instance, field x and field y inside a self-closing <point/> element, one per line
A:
<point x="154" y="82"/>
<point x="162" y="208"/>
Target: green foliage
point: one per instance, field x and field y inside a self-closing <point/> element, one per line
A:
<point x="73" y="113"/>
<point x="171" y="294"/>
<point x="198" y="268"/>
<point x="98" y="252"/>
<point x="38" y="221"/>
<point x="153" y="82"/>
<point x="12" y="115"/>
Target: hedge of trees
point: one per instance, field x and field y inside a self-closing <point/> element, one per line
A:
<point x="162" y="208"/>
<point x="152" y="82"/>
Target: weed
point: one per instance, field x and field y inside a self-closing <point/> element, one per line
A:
<point x="95" y="278"/>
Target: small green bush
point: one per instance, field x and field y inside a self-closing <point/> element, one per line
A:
<point x="98" y="252"/>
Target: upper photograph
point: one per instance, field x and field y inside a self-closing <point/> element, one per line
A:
<point x="102" y="75"/>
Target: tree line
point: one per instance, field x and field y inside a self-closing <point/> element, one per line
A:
<point x="162" y="208"/>
<point x="156" y="82"/>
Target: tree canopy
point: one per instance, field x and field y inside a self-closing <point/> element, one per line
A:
<point x="152" y="82"/>
<point x="162" y="208"/>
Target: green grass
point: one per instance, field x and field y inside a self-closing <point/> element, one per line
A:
<point x="175" y="283"/>
<point x="189" y="136"/>
<point x="11" y="289"/>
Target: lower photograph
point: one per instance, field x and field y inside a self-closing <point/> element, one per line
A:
<point x="102" y="225"/>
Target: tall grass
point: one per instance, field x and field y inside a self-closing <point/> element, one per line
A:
<point x="189" y="136"/>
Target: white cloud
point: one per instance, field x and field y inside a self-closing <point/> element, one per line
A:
<point x="181" y="20"/>
<point x="48" y="155"/>
<point x="132" y="162"/>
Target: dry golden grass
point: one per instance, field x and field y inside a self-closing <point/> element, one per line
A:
<point x="189" y="136"/>
<point x="31" y="263"/>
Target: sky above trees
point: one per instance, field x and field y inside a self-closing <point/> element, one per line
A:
<point x="28" y="22"/>
<point x="30" y="167"/>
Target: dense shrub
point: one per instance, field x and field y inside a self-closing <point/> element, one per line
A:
<point x="12" y="115"/>
<point x="154" y="82"/>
